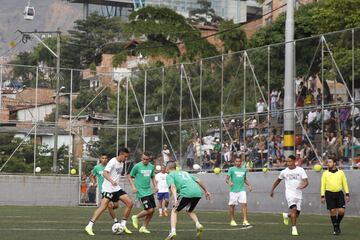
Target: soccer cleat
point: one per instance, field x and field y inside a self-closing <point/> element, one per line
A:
<point x="144" y="230"/>
<point x="166" y="213"/>
<point x="337" y="230"/>
<point x="286" y="218"/>
<point x="199" y="231"/>
<point x="294" y="232"/>
<point x="126" y="230"/>
<point x="172" y="235"/>
<point x="246" y="224"/>
<point x="233" y="223"/>
<point x="135" y="221"/>
<point x="89" y="231"/>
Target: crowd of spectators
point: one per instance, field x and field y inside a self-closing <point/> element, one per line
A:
<point x="326" y="124"/>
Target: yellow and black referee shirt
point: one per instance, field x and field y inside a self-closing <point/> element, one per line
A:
<point x="334" y="181"/>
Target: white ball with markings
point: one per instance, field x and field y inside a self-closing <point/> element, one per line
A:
<point x="117" y="228"/>
<point x="37" y="169"/>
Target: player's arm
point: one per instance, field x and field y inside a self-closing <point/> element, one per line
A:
<point x="107" y="177"/>
<point x="322" y="189"/>
<point x="202" y="185"/>
<point x="154" y="182"/>
<point x="276" y="183"/>
<point x="346" y="187"/>
<point x="228" y="181"/>
<point x="248" y="184"/>
<point x="131" y="177"/>
<point x="305" y="183"/>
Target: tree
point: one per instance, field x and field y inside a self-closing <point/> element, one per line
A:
<point x="93" y="36"/>
<point x="234" y="39"/>
<point x="162" y="29"/>
<point x="99" y="103"/>
<point x="204" y="15"/>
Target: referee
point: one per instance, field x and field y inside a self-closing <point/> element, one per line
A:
<point x="332" y="182"/>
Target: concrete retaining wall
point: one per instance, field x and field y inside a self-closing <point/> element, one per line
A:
<point x="64" y="191"/>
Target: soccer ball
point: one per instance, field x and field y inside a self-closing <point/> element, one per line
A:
<point x="158" y="168"/>
<point x="73" y="171"/>
<point x="117" y="228"/>
<point x="265" y="169"/>
<point x="317" y="167"/>
<point x="196" y="166"/>
<point x="217" y="170"/>
<point x="37" y="169"/>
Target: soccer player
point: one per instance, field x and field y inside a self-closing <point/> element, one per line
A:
<point x="186" y="191"/>
<point x="295" y="181"/>
<point x="112" y="191"/>
<point x="236" y="177"/>
<point x="163" y="194"/>
<point x="142" y="173"/>
<point x="97" y="179"/>
<point x="332" y="182"/>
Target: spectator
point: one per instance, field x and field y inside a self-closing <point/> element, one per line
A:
<point x="344" y="114"/>
<point x="319" y="97"/>
<point x="309" y="98"/>
<point x="165" y="154"/>
<point x="260" y="109"/>
<point x="355" y="114"/>
<point x="273" y="103"/>
<point x="190" y="154"/>
<point x="312" y="123"/>
<point x="198" y="150"/>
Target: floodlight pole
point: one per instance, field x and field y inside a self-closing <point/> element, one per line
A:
<point x="289" y="126"/>
<point x="57" y="102"/>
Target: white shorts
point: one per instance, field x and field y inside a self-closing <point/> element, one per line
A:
<point x="294" y="201"/>
<point x="237" y="197"/>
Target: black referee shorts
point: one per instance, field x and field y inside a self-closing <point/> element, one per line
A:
<point x="334" y="200"/>
<point x="187" y="202"/>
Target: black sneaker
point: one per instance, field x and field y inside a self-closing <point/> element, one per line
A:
<point x="336" y="230"/>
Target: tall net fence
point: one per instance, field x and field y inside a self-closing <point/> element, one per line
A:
<point x="193" y="113"/>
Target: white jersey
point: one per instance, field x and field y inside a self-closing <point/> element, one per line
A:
<point x="161" y="182"/>
<point x="114" y="167"/>
<point x="293" y="179"/>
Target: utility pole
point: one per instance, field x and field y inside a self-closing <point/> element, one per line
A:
<point x="289" y="107"/>
<point x="55" y="156"/>
<point x="27" y="36"/>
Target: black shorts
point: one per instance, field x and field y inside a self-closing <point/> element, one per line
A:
<point x="334" y="200"/>
<point x="148" y="202"/>
<point x="187" y="202"/>
<point x="114" y="196"/>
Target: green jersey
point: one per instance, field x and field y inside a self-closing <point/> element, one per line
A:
<point x="186" y="185"/>
<point x="98" y="173"/>
<point x="237" y="177"/>
<point x="143" y="174"/>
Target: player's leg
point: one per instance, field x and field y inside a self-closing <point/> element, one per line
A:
<point x="149" y="208"/>
<point x="103" y="205"/>
<point x="340" y="210"/>
<point x="173" y="221"/>
<point x="243" y="201"/>
<point x="127" y="209"/>
<point x="160" y="205"/>
<point x="233" y="201"/>
<point x="294" y="213"/>
<point x="111" y="208"/>
<point x="148" y="217"/>
<point x="340" y="215"/>
<point x="194" y="218"/>
<point x="166" y="204"/>
<point x="331" y="204"/>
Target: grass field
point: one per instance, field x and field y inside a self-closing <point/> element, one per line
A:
<point x="51" y="223"/>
